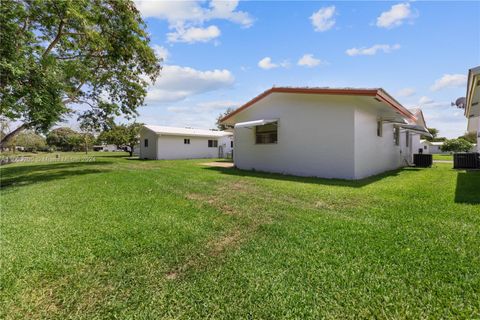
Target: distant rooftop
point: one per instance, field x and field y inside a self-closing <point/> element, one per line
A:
<point x="179" y="131"/>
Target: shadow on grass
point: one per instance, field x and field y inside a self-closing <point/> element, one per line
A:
<point x="468" y="187"/>
<point x="30" y="174"/>
<point x="313" y="180"/>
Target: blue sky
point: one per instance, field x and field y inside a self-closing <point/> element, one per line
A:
<point x="220" y="54"/>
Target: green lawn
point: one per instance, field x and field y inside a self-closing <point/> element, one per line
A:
<point x="119" y="238"/>
<point x="444" y="157"/>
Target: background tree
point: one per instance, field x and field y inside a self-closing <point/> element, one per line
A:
<point x="456" y="145"/>
<point x="221" y="115"/>
<point x="65" y="139"/>
<point x="30" y="141"/>
<point x="434" y="132"/>
<point x="470" y="137"/>
<point x="56" y="53"/>
<point x="122" y="135"/>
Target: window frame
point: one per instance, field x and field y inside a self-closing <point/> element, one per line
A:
<point x="379" y="128"/>
<point x="266" y="133"/>
<point x="145" y="143"/>
<point x="212" y="143"/>
<point x="186" y="141"/>
<point x="396" y="135"/>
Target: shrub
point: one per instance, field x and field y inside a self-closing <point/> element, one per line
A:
<point x="456" y="145"/>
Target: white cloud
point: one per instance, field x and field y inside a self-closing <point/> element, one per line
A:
<point x="187" y="18"/>
<point x="193" y="34"/>
<point x="161" y="52"/>
<point x="323" y="19"/>
<point x="444" y="117"/>
<point x="307" y="60"/>
<point x="203" y="107"/>
<point x="363" y="51"/>
<point x="266" y="63"/>
<point x="406" y="92"/>
<point x="221" y="9"/>
<point x="449" y="81"/>
<point x="395" y="17"/>
<point x="425" y="100"/>
<point x="177" y="83"/>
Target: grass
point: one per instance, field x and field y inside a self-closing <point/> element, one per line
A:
<point x="119" y="238"/>
<point x="443" y="157"/>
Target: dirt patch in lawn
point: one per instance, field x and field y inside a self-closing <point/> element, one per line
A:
<point x="228" y="199"/>
<point x="219" y="164"/>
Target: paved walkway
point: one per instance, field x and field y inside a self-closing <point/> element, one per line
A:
<point x="443" y="161"/>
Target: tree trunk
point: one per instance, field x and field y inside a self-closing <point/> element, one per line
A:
<point x="12" y="134"/>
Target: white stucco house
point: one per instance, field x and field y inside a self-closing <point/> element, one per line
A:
<point x="324" y="132"/>
<point x="158" y="142"/>
<point x="472" y="103"/>
<point x="432" y="147"/>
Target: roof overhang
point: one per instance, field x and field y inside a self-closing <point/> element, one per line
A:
<point x="378" y="94"/>
<point x="186" y="132"/>
<point x="417" y="129"/>
<point x="472" y="107"/>
<point x="254" y="123"/>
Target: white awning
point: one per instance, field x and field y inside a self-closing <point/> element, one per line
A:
<point x="393" y="120"/>
<point x="254" y="123"/>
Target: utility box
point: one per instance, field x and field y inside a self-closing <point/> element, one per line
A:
<point x="467" y="160"/>
<point x="422" y="160"/>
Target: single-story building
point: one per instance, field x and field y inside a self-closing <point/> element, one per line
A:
<point x="158" y="142"/>
<point x="432" y="147"/>
<point x="105" y="148"/>
<point x="472" y="103"/>
<point x="324" y="132"/>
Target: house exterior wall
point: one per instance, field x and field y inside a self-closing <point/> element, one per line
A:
<point x="226" y="144"/>
<point x="315" y="136"/>
<point x="425" y="146"/>
<point x="173" y="147"/>
<point x="416" y="143"/>
<point x="436" y="150"/>
<point x="149" y="152"/>
<point x="374" y="154"/>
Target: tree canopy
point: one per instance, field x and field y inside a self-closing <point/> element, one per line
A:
<point x="470" y="137"/>
<point x="222" y="115"/>
<point x="122" y="135"/>
<point x="29" y="140"/>
<point x="56" y="53"/>
<point x="456" y="145"/>
<point x="434" y="132"/>
<point x="66" y="139"/>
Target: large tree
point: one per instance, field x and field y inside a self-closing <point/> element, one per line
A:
<point x="58" y="53"/>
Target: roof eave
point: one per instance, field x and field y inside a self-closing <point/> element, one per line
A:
<point x="376" y="93"/>
<point x="472" y="73"/>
